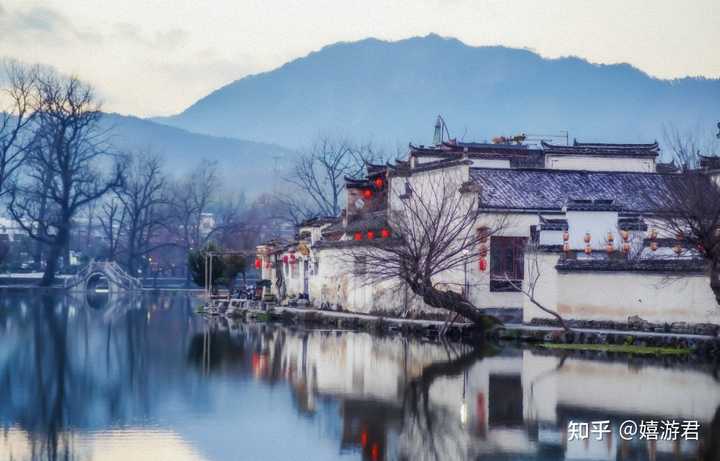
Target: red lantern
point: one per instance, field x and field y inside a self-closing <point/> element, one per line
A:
<point x="379" y="183"/>
<point x="625" y="235"/>
<point x="375" y="452"/>
<point x="371" y="235"/>
<point x="384" y="233"/>
<point x="285" y="259"/>
<point x="483" y="264"/>
<point x="293" y="260"/>
<point x="358" y="235"/>
<point x="258" y="263"/>
<point x="367" y="193"/>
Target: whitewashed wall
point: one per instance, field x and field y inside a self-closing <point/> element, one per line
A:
<point x="597" y="223"/>
<point x="615" y="296"/>
<point x="598" y="163"/>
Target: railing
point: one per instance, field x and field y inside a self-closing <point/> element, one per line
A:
<point x="111" y="270"/>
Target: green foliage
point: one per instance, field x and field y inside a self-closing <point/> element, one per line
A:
<point x="225" y="268"/>
<point x="620" y="348"/>
<point x="235" y="264"/>
<point x="196" y="264"/>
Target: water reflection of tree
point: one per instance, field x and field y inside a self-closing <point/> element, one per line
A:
<point x="435" y="433"/>
<point x="65" y="373"/>
<point x="41" y="383"/>
<point x="712" y="437"/>
<point x="429" y="431"/>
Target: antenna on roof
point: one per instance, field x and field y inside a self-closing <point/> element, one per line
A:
<point x="440" y="131"/>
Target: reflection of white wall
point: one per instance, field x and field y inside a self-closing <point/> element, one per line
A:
<point x="362" y="366"/>
<point x="616" y="388"/>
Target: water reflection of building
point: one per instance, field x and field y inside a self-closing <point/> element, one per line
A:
<point x="512" y="405"/>
<point x="70" y="376"/>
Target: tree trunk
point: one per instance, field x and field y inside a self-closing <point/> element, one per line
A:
<point x="57" y="249"/>
<point x="715" y="277"/>
<point x="51" y="266"/>
<point x="453" y="302"/>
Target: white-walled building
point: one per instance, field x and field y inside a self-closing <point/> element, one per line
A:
<point x="582" y="216"/>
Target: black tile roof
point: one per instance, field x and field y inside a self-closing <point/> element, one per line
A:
<point x="370" y="221"/>
<point x="600" y="204"/>
<point x="531" y="189"/>
<point x="362" y="223"/>
<point x="553" y="224"/>
<point x="481" y="149"/>
<point x="710" y="162"/>
<point x="695" y="265"/>
<point x="603" y="149"/>
<point x="669" y="167"/>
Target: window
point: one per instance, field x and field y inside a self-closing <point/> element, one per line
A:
<point x="505" y="405"/>
<point x="507" y="263"/>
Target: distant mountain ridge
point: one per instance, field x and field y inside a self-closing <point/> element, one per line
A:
<point x="244" y="165"/>
<point x="390" y="92"/>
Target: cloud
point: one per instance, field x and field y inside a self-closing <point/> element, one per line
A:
<point x="40" y="24"/>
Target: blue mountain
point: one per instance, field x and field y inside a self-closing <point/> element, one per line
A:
<point x="391" y="92"/>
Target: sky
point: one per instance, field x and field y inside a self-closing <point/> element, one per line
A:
<point x="156" y="57"/>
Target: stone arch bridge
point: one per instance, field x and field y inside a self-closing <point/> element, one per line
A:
<point x="98" y="273"/>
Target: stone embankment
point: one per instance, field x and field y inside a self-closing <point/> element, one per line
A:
<point x="636" y="337"/>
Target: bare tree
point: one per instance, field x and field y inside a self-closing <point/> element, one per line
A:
<point x="691" y="212"/>
<point x="436" y="230"/>
<point x="112" y="221"/>
<point x="689" y="208"/>
<point x="228" y="213"/>
<point x="189" y="198"/>
<point x="319" y="176"/>
<point x="532" y="278"/>
<point x="142" y="197"/>
<point x="687" y="146"/>
<point x="63" y="167"/>
<point x="18" y="94"/>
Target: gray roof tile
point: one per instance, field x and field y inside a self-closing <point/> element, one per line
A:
<point x="533" y="189"/>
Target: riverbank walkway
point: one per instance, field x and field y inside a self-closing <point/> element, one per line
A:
<point x="508" y="326"/>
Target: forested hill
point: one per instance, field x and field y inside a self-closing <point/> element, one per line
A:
<point x="390" y="92"/>
<point x="244" y="164"/>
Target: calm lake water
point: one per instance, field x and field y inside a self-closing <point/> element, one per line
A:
<point x="147" y="379"/>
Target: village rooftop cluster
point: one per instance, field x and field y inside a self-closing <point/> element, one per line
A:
<point x="574" y="228"/>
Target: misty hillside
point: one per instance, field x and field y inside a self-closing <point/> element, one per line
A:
<point x="244" y="164"/>
<point x="391" y="92"/>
